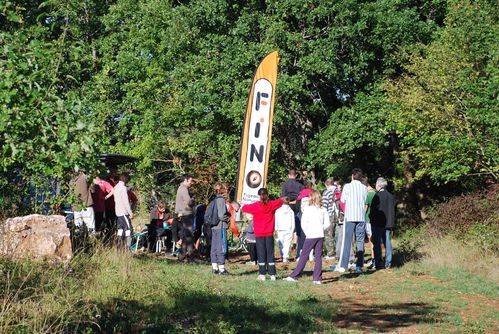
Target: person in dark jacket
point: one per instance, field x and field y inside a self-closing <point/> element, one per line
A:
<point x="291" y="189"/>
<point x="219" y="231"/>
<point x="382" y="217"/>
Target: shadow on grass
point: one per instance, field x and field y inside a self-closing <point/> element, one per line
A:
<point x="385" y="317"/>
<point x="202" y="312"/>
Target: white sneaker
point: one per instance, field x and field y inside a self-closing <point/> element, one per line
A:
<point x="352" y="266"/>
<point x="290" y="279"/>
<point x="339" y="269"/>
<point x="329" y="258"/>
<point x="260" y="278"/>
<point x="317" y="282"/>
<point x="272" y="277"/>
<point x="297" y="259"/>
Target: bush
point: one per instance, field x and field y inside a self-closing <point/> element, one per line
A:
<point x="471" y="218"/>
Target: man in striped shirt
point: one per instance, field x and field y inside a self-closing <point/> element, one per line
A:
<point x="354" y="196"/>
<point x="328" y="204"/>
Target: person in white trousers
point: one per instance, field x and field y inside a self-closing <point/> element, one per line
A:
<point x="285" y="226"/>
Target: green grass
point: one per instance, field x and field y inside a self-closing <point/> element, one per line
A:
<point x="115" y="292"/>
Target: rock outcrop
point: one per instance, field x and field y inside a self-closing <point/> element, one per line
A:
<point x="35" y="236"/>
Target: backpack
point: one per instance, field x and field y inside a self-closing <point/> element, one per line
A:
<point x="211" y="215"/>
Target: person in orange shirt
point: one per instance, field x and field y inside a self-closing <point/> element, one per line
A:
<point x="233" y="208"/>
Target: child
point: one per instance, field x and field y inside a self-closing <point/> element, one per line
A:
<point x="263" y="222"/>
<point x="251" y="240"/>
<point x="314" y="221"/>
<point x="285" y="226"/>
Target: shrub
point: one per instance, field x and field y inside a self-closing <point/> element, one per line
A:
<point x="471" y="218"/>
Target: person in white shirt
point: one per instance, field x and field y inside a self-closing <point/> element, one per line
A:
<point x="354" y="196"/>
<point x="123" y="210"/>
<point x="285" y="226"/>
<point x="314" y="220"/>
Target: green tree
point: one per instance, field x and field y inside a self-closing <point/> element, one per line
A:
<point x="445" y="105"/>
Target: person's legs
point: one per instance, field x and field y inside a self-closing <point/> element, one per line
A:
<point x="329" y="241"/>
<point x="388" y="248"/>
<point x="369" y="234"/>
<point x="99" y="221"/>
<point x="216" y="248"/>
<point x="299" y="246"/>
<point x="252" y="251"/>
<point x="280" y="242"/>
<point x="188" y="242"/>
<point x="269" y="246"/>
<point x="360" y="235"/>
<point x="307" y="248"/>
<point x="346" y="240"/>
<point x="152" y="236"/>
<point x="261" y="253"/>
<point x="339" y="236"/>
<point x="287" y="239"/>
<point x="318" y="259"/>
<point x="89" y="219"/>
<point x="377" y="239"/>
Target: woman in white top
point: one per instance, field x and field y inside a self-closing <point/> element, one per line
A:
<point x="314" y="221"/>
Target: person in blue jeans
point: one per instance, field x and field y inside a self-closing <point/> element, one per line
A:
<point x="382" y="217"/>
<point x="354" y="196"/>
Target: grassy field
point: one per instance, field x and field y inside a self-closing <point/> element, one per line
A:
<point x="114" y="292"/>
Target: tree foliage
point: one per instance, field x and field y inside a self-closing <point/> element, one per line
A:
<point x="168" y="82"/>
<point x="446" y="108"/>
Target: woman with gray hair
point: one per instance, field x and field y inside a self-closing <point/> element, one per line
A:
<point x="382" y="217"/>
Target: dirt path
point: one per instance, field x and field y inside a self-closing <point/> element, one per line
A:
<point x="399" y="301"/>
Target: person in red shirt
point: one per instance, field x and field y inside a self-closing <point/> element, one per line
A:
<point x="263" y="213"/>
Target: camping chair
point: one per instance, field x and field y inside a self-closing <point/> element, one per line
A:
<point x="142" y="235"/>
<point x="160" y="242"/>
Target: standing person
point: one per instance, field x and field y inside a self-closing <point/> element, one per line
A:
<point x="199" y="211"/>
<point x="219" y="231"/>
<point x="291" y="189"/>
<point x="328" y="204"/>
<point x="101" y="189"/>
<point x="354" y="196"/>
<point x="302" y="202"/>
<point x="263" y="213"/>
<point x="370" y="195"/>
<point x="382" y="217"/>
<point x="124" y="212"/>
<point x="339" y="221"/>
<point x="251" y="240"/>
<point x="83" y="208"/>
<point x="110" y="214"/>
<point x="184" y="209"/>
<point x="315" y="219"/>
<point x="285" y="226"/>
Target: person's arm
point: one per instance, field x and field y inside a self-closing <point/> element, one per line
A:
<point x="127" y="203"/>
<point x="111" y="193"/>
<point x="325" y="218"/>
<point x="186" y="198"/>
<point x="305" y="220"/>
<point x="221" y="209"/>
<point x="250" y="208"/>
<point x="276" y="204"/>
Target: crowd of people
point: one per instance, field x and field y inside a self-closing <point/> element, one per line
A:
<point x="336" y="223"/>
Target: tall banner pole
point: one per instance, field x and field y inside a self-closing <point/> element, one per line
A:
<point x="257" y="131"/>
